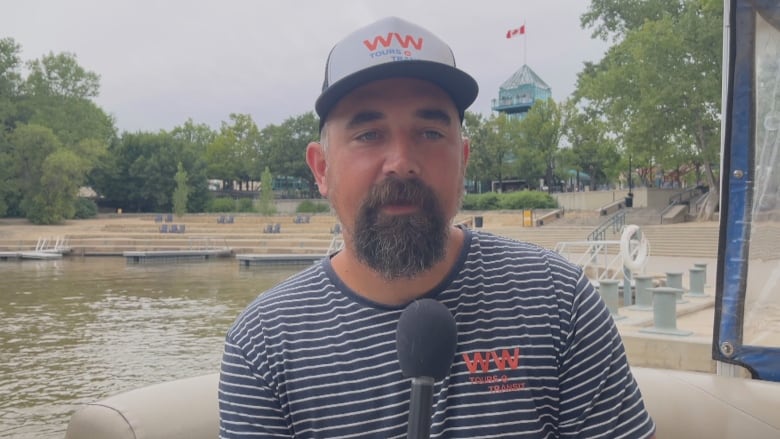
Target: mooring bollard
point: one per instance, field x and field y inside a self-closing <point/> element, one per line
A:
<point x="696" y="282"/>
<point x="644" y="298"/>
<point x="703" y="266"/>
<point x="608" y="289"/>
<point x="674" y="280"/>
<point x="665" y="312"/>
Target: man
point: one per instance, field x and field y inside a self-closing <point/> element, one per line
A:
<point x="538" y="355"/>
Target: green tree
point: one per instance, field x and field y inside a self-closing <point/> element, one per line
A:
<point x="182" y="191"/>
<point x="57" y="93"/>
<point x="60" y="75"/>
<point x="267" y="193"/>
<point x="500" y="152"/>
<point x="659" y="86"/>
<point x="196" y="138"/>
<point x="542" y="130"/>
<point x="476" y="130"/>
<point x="235" y="153"/>
<point x="591" y="151"/>
<point x="197" y="135"/>
<point x="9" y="193"/>
<point x="150" y="170"/>
<point x="10" y="81"/>
<point x="54" y="198"/>
<point x="28" y="147"/>
<point x="284" y="147"/>
<point x="615" y="18"/>
<point x="138" y="173"/>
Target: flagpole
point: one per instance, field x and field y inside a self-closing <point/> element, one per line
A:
<point x="525" y="45"/>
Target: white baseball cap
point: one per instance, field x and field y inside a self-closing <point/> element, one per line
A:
<point x="390" y="48"/>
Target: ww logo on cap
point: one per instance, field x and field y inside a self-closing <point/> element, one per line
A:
<point x="405" y="42"/>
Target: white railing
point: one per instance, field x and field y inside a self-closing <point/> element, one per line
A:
<point x="602" y="255"/>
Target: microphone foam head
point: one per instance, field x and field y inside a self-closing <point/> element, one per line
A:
<point x="426" y="339"/>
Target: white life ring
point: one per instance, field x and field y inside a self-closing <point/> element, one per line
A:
<point x="633" y="260"/>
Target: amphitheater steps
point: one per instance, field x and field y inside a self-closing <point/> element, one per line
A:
<point x="246" y="235"/>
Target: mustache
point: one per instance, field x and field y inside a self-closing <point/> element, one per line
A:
<point x="399" y="191"/>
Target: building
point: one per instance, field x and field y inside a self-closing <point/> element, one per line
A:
<point x="518" y="93"/>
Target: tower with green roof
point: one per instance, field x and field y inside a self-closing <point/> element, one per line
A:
<point x="518" y="93"/>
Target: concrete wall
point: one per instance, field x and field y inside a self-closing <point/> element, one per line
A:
<point x="288" y="206"/>
<point x="591" y="200"/>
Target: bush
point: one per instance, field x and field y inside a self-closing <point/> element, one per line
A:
<point x="246" y="205"/>
<point x="221" y="205"/>
<point x="510" y="201"/>
<point x="308" y="206"/>
<point x="527" y="200"/>
<point x="470" y="202"/>
<point x="85" y="208"/>
<point x="488" y="201"/>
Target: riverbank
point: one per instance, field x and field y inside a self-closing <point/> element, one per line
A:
<point x="112" y="234"/>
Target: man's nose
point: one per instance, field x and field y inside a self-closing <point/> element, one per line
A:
<point x="402" y="159"/>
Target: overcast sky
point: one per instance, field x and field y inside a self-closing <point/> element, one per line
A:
<point x="163" y="61"/>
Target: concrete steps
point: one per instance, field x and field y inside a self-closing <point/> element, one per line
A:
<point x="246" y="235"/>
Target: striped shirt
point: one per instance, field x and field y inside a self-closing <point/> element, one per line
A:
<point x="538" y="356"/>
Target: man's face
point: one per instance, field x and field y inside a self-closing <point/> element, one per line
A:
<point x="393" y="168"/>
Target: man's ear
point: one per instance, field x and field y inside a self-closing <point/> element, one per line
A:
<point x="315" y="158"/>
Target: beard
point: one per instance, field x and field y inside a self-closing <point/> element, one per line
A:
<point x="400" y="246"/>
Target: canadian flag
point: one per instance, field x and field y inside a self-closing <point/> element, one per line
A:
<point x="515" y="32"/>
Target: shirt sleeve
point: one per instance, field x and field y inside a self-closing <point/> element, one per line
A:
<point x="248" y="406"/>
<point x="599" y="397"/>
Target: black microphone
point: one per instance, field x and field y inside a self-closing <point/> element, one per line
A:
<point x="426" y="339"/>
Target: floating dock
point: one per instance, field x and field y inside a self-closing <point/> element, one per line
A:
<point x="38" y="255"/>
<point x="256" y="260"/>
<point x="168" y="256"/>
<point x="45" y="249"/>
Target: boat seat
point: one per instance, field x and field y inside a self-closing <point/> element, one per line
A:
<point x="181" y="409"/>
<point x="683" y="405"/>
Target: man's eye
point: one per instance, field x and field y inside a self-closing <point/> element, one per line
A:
<point x="367" y="136"/>
<point x="432" y="135"/>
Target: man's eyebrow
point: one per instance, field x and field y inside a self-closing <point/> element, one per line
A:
<point x="364" y="117"/>
<point x="434" y="115"/>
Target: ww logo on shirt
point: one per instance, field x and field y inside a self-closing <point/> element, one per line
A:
<point x="503" y="360"/>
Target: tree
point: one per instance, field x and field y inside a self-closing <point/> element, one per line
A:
<point x="195" y="139"/>
<point x="235" y="152"/>
<point x="181" y="193"/>
<point x="542" y="130"/>
<point x="28" y="148"/>
<point x="284" y="147"/>
<point x="54" y="198"/>
<point x="659" y="87"/>
<point x="60" y="75"/>
<point x="57" y="93"/>
<point x="47" y="174"/>
<point x="615" y="18"/>
<point x="10" y="197"/>
<point x="591" y="150"/>
<point x="499" y="151"/>
<point x="10" y="80"/>
<point x="197" y="136"/>
<point x="267" y="193"/>
<point x="476" y="130"/>
<point x="139" y="171"/>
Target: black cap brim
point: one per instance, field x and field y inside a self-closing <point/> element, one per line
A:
<point x="461" y="87"/>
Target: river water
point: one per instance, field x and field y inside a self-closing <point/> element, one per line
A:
<point x="80" y="329"/>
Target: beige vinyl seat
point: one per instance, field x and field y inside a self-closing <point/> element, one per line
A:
<point x="683" y="404"/>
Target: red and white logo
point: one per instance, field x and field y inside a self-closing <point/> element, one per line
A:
<point x="495" y="377"/>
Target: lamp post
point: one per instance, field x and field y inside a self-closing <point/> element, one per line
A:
<point x="630" y="180"/>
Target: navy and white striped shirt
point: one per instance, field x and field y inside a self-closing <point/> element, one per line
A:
<point x="538" y="356"/>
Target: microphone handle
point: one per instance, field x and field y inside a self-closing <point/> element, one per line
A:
<point x="420" y="408"/>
